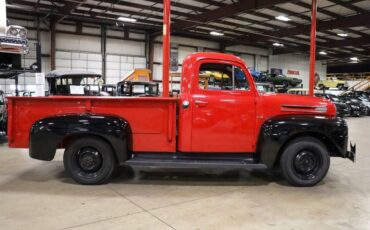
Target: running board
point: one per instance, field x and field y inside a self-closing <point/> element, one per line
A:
<point x="189" y="162"/>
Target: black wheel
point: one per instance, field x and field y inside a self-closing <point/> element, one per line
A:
<point x="89" y="161"/>
<point x="305" y="162"/>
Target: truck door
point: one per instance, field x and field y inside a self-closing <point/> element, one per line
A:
<point x="223" y="118"/>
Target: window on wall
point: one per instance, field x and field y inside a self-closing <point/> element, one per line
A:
<point x="215" y="76"/>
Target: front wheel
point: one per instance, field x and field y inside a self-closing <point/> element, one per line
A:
<point x="89" y="161"/>
<point x="305" y="162"/>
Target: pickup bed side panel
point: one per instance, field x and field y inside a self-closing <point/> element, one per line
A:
<point x="152" y="120"/>
<point x="278" y="131"/>
<point x="49" y="134"/>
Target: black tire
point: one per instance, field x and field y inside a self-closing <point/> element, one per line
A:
<point x="89" y="161"/>
<point x="305" y="162"/>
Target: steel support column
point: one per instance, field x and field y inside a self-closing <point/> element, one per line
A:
<point x="52" y="43"/>
<point x="313" y="48"/>
<point x="104" y="52"/>
<point x="166" y="46"/>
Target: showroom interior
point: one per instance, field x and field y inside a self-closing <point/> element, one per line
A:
<point x="192" y="114"/>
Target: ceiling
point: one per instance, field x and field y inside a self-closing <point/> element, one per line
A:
<point x="241" y="21"/>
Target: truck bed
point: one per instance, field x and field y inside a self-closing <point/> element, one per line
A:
<point x="152" y="119"/>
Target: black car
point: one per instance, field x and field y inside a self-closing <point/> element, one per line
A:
<point x="73" y="83"/>
<point x="357" y="108"/>
<point x="3" y="112"/>
<point x="342" y="108"/>
<point x="137" y="88"/>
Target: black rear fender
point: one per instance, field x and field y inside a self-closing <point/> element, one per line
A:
<point x="51" y="133"/>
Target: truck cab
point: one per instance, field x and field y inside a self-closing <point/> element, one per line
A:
<point x="219" y="123"/>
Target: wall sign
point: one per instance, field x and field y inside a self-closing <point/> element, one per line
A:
<point x="293" y="72"/>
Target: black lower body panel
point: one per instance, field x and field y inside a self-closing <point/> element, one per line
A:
<point x="165" y="160"/>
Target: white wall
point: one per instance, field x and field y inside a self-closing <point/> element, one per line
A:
<point x="297" y="62"/>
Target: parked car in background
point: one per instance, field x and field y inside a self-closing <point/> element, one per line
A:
<point x="332" y="82"/>
<point x="214" y="76"/>
<point x="342" y="108"/>
<point x="13" y="40"/>
<point x="284" y="80"/>
<point x="258" y="76"/>
<point x="265" y="87"/>
<point x="357" y="108"/>
<point x="108" y="90"/>
<point x="3" y="112"/>
<point x="138" y="88"/>
<point x="77" y="83"/>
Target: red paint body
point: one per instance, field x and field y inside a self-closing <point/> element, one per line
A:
<point x="215" y="121"/>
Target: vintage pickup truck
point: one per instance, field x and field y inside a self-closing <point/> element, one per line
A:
<point x="226" y="125"/>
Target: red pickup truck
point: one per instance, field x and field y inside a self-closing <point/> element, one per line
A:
<point x="223" y="123"/>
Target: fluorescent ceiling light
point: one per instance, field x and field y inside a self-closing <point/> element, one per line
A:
<point x="283" y="18"/>
<point x="342" y="34"/>
<point x="124" y="19"/>
<point x="323" y="53"/>
<point x="214" y="33"/>
<point x="278" y="44"/>
<point x="354" y="59"/>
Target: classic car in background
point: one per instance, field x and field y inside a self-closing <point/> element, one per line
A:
<point x="214" y="76"/>
<point x="342" y="108"/>
<point x="332" y="82"/>
<point x="14" y="40"/>
<point x="138" y="88"/>
<point x="357" y="108"/>
<point x="258" y="76"/>
<point x="284" y="80"/>
<point x="263" y="87"/>
<point x="82" y="83"/>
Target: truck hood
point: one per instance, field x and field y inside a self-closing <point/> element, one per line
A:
<point x="272" y="104"/>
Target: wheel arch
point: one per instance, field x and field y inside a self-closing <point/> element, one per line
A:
<point x="49" y="134"/>
<point x="277" y="133"/>
<point x="329" y="144"/>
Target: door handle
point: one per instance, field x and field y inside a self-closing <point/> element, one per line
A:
<point x="201" y="103"/>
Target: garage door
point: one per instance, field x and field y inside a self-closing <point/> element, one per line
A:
<point x="78" y="61"/>
<point x="249" y="60"/>
<point x="121" y="65"/>
<point x="263" y="64"/>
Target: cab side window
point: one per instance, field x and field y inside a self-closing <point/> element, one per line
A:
<point x="214" y="76"/>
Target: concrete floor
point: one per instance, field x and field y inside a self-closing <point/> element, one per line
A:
<point x="39" y="195"/>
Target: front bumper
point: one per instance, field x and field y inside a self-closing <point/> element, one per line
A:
<point x="351" y="154"/>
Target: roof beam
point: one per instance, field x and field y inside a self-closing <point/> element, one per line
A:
<point x="227" y="11"/>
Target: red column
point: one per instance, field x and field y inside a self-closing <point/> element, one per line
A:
<point x="313" y="47"/>
<point x="166" y="46"/>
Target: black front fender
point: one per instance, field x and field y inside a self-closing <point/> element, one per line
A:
<point x="51" y="133"/>
<point x="276" y="133"/>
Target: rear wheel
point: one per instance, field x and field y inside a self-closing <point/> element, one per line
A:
<point x="305" y="162"/>
<point x="89" y="161"/>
